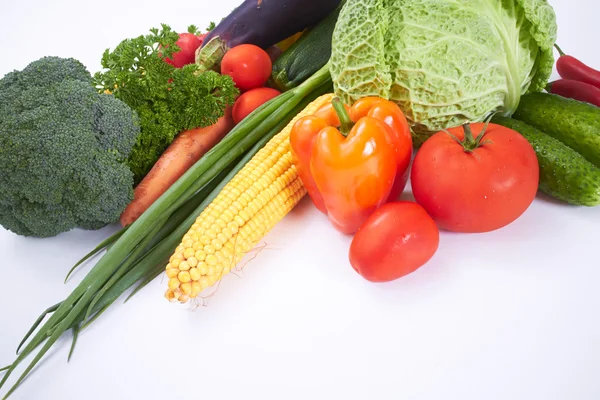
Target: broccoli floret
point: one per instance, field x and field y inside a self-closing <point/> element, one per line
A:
<point x="63" y="150"/>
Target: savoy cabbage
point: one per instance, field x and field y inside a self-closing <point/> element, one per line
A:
<point x="445" y="62"/>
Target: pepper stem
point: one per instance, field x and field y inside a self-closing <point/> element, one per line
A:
<point x="342" y="113"/>
<point x="559" y="50"/>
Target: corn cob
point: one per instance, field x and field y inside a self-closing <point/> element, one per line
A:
<point x="248" y="207"/>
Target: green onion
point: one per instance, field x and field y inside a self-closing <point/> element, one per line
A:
<point x="140" y="251"/>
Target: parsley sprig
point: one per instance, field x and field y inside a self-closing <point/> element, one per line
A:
<point x="168" y="100"/>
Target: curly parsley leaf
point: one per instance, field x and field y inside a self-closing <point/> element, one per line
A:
<point x="168" y="100"/>
<point x="193" y="29"/>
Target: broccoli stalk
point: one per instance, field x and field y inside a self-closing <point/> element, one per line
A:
<point x="63" y="150"/>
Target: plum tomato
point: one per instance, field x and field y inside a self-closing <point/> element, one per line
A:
<point x="396" y="240"/>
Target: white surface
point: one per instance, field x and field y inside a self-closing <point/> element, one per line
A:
<point x="506" y="315"/>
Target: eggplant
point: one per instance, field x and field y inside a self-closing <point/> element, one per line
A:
<point x="263" y="23"/>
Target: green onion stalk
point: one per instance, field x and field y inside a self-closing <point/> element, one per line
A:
<point x="137" y="253"/>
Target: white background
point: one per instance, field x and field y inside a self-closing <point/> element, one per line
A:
<point x="511" y="314"/>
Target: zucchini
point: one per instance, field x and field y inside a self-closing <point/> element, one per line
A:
<point x="574" y="123"/>
<point x="263" y="23"/>
<point x="565" y="174"/>
<point x="306" y="56"/>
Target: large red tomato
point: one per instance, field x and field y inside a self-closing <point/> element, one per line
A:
<point x="473" y="182"/>
<point x="397" y="239"/>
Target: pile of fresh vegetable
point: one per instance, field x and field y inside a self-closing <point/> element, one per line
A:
<point x="199" y="143"/>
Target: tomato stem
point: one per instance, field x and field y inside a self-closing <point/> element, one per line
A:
<point x="469" y="143"/>
<point x="342" y="113"/>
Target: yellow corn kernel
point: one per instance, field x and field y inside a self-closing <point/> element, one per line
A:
<point x="183" y="298"/>
<point x="204" y="282"/>
<point x="195" y="274"/>
<point x="184" y="277"/>
<point x="209" y="250"/>
<point x="187" y="253"/>
<point x="169" y="295"/>
<point x="196" y="288"/>
<point x="186" y="288"/>
<point x="173" y="283"/>
<point x="176" y="294"/>
<point x="200" y="255"/>
<point x="172" y="272"/>
<point x="211" y="272"/>
<point x="264" y="191"/>
<point x="203" y="268"/>
<point x="211" y="260"/>
<point x="184" y="266"/>
<point x="176" y="260"/>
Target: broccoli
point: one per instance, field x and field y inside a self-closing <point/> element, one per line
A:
<point x="63" y="150"/>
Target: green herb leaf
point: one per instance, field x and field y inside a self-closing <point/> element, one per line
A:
<point x="168" y="100"/>
<point x="193" y="29"/>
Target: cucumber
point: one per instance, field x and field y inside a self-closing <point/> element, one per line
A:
<point x="306" y="56"/>
<point x="574" y="123"/>
<point x="564" y="173"/>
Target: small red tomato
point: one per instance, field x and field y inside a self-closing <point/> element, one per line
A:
<point x="202" y="36"/>
<point x="250" y="101"/>
<point x="188" y="43"/>
<point x="469" y="181"/>
<point x="248" y="65"/>
<point x="397" y="239"/>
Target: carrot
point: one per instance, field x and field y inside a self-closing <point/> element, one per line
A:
<point x="187" y="148"/>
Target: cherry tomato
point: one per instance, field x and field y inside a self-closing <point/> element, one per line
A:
<point x="248" y="65"/>
<point x="472" y="183"/>
<point x="396" y="240"/>
<point x="189" y="43"/>
<point x="250" y="101"/>
<point x="202" y="36"/>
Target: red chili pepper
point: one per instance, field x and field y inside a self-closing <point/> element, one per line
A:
<point x="575" y="90"/>
<point x="569" y="67"/>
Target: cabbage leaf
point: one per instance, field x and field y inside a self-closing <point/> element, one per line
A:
<point x="444" y="62"/>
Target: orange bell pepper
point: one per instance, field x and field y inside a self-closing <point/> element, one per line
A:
<point x="352" y="160"/>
